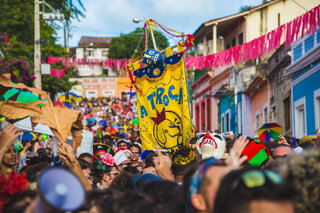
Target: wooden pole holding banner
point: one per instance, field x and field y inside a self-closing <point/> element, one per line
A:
<point x="152" y="37"/>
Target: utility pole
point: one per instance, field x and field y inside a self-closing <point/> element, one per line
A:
<point x="67" y="29"/>
<point x="37" y="50"/>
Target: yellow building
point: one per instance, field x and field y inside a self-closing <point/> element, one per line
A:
<point x="223" y="33"/>
<point x="123" y="86"/>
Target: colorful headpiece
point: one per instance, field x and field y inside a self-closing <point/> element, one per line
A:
<point x="98" y="147"/>
<point x="183" y="157"/>
<point x="257" y="153"/>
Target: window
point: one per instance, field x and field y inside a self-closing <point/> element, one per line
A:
<point x="240" y="38"/>
<point x="228" y="121"/>
<point x="300" y="118"/>
<point x="287" y="120"/>
<point x="123" y="94"/>
<point x="257" y="120"/>
<point x="89" y="53"/>
<point x="91" y="94"/>
<point x="104" y="53"/>
<point x="233" y="42"/>
<point x="208" y="114"/>
<point x="218" y="115"/>
<point x="108" y="93"/>
<point x="265" y="114"/>
<point x="239" y="118"/>
<point x="317" y="108"/>
<point x="297" y="52"/>
<point x="265" y="20"/>
<point x="203" y="116"/>
<point x="273" y="113"/>
<point x="222" y="123"/>
<point x="197" y="117"/>
<point x="105" y="71"/>
<point x="228" y="46"/>
<point x="309" y="43"/>
<point x="279" y="20"/>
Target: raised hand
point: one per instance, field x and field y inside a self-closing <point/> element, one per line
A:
<point x="66" y="154"/>
<point x="8" y="135"/>
<point x="162" y="165"/>
<point x="282" y="140"/>
<point x="235" y="158"/>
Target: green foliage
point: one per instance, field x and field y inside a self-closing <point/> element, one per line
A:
<point x="17" y="21"/>
<point x="125" y="45"/>
<point x="17" y="61"/>
<point x="244" y="8"/>
<point x="55" y="85"/>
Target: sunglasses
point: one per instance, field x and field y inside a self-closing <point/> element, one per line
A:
<point x="256" y="178"/>
<point x="135" y="152"/>
<point x="112" y="173"/>
<point x="126" y="164"/>
<point x="251" y="180"/>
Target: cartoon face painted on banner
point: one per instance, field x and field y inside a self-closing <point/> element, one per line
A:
<point x="167" y="133"/>
<point x="153" y="57"/>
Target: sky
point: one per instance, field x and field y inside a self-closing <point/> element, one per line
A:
<point x="110" y="18"/>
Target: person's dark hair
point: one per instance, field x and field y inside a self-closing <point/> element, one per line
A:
<point x="288" y="139"/>
<point x="135" y="145"/>
<point x="123" y="182"/>
<point x="164" y="192"/>
<point x="308" y="145"/>
<point x="149" y="160"/>
<point x="229" y="144"/>
<point x="48" y="151"/>
<point x="271" y="146"/>
<point x="187" y="179"/>
<point x="131" y="169"/>
<point x="34" y="171"/>
<point x="85" y="155"/>
<point x="84" y="164"/>
<point x="234" y="196"/>
<point x="15" y="205"/>
<point x="98" y="171"/>
<point x="98" y="198"/>
<point x="132" y="203"/>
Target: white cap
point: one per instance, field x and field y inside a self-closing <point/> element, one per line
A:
<point x="298" y="150"/>
<point x="120" y="157"/>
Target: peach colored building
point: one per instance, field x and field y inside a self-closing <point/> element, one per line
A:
<point x="94" y="87"/>
<point x="258" y="91"/>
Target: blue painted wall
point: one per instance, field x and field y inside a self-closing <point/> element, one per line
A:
<point x="227" y="103"/>
<point x="306" y="89"/>
<point x="308" y="44"/>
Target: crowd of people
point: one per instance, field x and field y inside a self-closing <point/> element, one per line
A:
<point x="213" y="174"/>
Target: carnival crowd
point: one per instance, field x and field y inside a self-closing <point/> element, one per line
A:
<point x="215" y="173"/>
